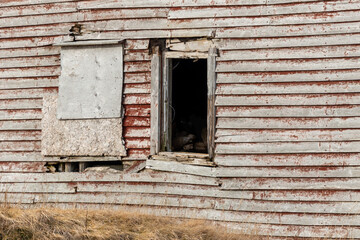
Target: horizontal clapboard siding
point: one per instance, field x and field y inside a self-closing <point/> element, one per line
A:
<point x="287" y="107"/>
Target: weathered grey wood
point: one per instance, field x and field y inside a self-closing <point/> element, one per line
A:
<point x="95" y="71"/>
<point x="28" y="52"/>
<point x="34" y="93"/>
<point x="19" y="135"/>
<point x="21" y="104"/>
<point x="33" y="41"/>
<point x="30" y="72"/>
<point x="143" y="66"/>
<point x="287" y="65"/>
<point x="325" y="159"/>
<point x="293" y="183"/>
<point x="287" y="147"/>
<point x="137" y="77"/>
<point x="299" y="41"/>
<point x="20" y="114"/>
<point x="89" y="43"/>
<point x="36" y="187"/>
<point x="283" y="100"/>
<point x="211" y="111"/>
<point x="38" y="31"/>
<point x="166" y="118"/>
<point x="108" y="177"/>
<point x="29" y="83"/>
<point x="289" y="172"/>
<point x="20" y="125"/>
<point x="30" y="2"/>
<point x="287" y="31"/>
<point x="239" y="11"/>
<point x="307" y="76"/>
<point x="289" y="123"/>
<point x="172" y="166"/>
<point x="286" y="111"/>
<point x="276" y="135"/>
<point x="160" y="3"/>
<point x="155" y="101"/>
<point x="292" y="53"/>
<point x="26" y="10"/>
<point x="137" y="44"/>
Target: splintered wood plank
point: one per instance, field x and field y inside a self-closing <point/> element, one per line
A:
<point x="294" y="100"/>
<point x="302" y="159"/>
<point x="294" y="76"/>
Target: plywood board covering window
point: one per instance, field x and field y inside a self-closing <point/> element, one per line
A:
<point x="84" y="119"/>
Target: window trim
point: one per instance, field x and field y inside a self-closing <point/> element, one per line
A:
<point x="159" y="84"/>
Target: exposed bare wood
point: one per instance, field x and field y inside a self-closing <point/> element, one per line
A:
<point x="211" y="112"/>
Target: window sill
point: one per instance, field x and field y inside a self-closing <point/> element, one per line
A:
<point x="198" y="159"/>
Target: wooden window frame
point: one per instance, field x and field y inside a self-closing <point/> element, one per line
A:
<point x="160" y="75"/>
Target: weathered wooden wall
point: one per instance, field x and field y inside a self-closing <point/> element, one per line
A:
<point x="288" y="95"/>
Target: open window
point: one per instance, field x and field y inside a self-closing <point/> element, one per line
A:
<point x="183" y="112"/>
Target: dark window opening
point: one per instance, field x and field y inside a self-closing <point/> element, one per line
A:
<point x="188" y="91"/>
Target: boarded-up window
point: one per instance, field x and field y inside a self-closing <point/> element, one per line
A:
<point x="84" y="119"/>
<point x="91" y="82"/>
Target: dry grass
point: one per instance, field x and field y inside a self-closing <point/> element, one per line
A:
<point x="40" y="224"/>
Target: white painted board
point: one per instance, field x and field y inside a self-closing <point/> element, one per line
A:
<point x="91" y="82"/>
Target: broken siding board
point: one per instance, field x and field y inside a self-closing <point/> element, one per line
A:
<point x="288" y="31"/>
<point x="240" y="11"/>
<point x="290" y="111"/>
<point x="289" y="123"/>
<point x="271" y="135"/>
<point x="286" y="100"/>
<point x="30" y="62"/>
<point x="171" y="166"/>
<point x="302" y="159"/>
<point x="288" y="65"/>
<point x="298" y="76"/>
<point x="290" y="183"/>
<point x="292" y="53"/>
<point x="281" y="42"/>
